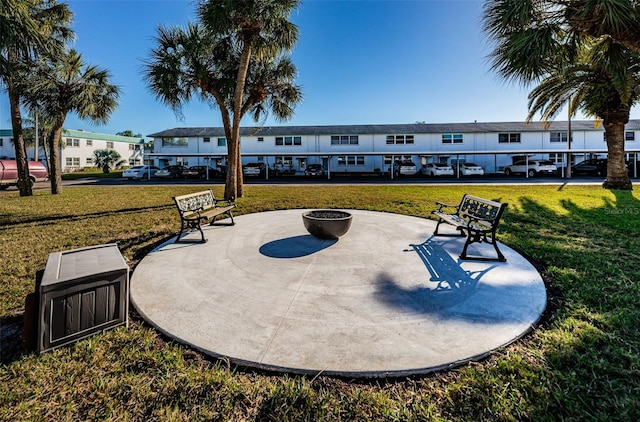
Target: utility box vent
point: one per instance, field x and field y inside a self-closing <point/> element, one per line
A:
<point x="81" y="292"/>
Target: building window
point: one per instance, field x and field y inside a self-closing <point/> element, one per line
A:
<point x="629" y="136"/>
<point x="89" y="142"/>
<point x="72" y="142"/>
<point x="452" y="138"/>
<point x="558" y="136"/>
<point x="556" y="158"/>
<point x="175" y="142"/>
<point x="351" y="160"/>
<point x="222" y="142"/>
<point x="345" y="140"/>
<point x="260" y="139"/>
<point x="73" y="161"/>
<point x="400" y="139"/>
<point x="206" y="139"/>
<point x="132" y="147"/>
<point x="1" y="142"/>
<point x="288" y="140"/>
<point x="508" y="138"/>
<point x="89" y="161"/>
<point x="110" y="144"/>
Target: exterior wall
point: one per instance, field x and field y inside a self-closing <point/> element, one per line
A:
<point x="78" y="152"/>
<point x="79" y="146"/>
<point x="369" y="150"/>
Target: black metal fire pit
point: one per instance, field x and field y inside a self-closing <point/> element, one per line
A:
<point x="327" y="224"/>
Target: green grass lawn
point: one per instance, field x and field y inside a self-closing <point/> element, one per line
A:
<point x="581" y="363"/>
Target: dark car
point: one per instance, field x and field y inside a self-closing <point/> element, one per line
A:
<point x="314" y="170"/>
<point x="172" y="171"/>
<point x="594" y="166"/>
<point x="199" y="172"/>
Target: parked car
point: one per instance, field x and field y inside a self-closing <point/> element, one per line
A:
<point x="596" y="167"/>
<point x="139" y="172"/>
<point x="534" y="168"/>
<point x="437" y="169"/>
<point x="254" y="169"/>
<point x="173" y="171"/>
<point x="9" y="173"/>
<point x="404" y="168"/>
<point x="199" y="172"/>
<point x="469" y="169"/>
<point x="314" y="170"/>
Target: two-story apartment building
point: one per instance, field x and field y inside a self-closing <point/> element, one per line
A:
<point x="77" y="148"/>
<point x="373" y="148"/>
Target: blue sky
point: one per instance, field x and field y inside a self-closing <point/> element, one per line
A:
<point x="359" y="62"/>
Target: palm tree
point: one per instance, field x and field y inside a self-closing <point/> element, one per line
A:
<point x="534" y="43"/>
<point x="63" y="85"/>
<point x="619" y="19"/>
<point x="234" y="59"/>
<point x="28" y="29"/>
<point x="604" y="81"/>
<point x="107" y="158"/>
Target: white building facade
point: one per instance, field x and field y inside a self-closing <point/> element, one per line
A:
<point x="78" y="146"/>
<point x="372" y="148"/>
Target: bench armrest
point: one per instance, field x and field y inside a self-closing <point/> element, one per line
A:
<point x="442" y="205"/>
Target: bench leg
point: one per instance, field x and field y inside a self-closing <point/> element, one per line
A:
<point x="190" y="224"/>
<point x="474" y="237"/>
<point x="213" y="220"/>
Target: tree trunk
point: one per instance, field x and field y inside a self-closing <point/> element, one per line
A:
<point x="24" y="179"/>
<point x="617" y="176"/>
<point x="234" y="178"/>
<point x="55" y="171"/>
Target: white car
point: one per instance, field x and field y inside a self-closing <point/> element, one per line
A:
<point x="139" y="172"/>
<point x="437" y="169"/>
<point x="469" y="169"/>
<point x="404" y="168"/>
<point x="534" y="168"/>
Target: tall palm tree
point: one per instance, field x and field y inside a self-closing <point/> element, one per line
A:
<point x="604" y="81"/>
<point x="535" y="44"/>
<point x="28" y="29"/>
<point x="260" y="28"/>
<point x="63" y="85"/>
<point x="235" y="59"/>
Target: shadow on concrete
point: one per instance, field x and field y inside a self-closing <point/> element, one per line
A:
<point x="295" y="247"/>
<point x="450" y="283"/>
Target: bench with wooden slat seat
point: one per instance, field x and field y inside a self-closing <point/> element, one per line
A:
<point x="477" y="218"/>
<point x="194" y="208"/>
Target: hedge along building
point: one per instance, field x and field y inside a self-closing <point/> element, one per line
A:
<point x="77" y="148"/>
<point x="372" y="148"/>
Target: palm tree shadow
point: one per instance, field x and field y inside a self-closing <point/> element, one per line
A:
<point x="450" y="284"/>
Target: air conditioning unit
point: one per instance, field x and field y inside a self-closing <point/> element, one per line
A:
<point x="81" y="292"/>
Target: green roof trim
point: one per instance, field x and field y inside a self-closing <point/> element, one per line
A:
<point x="84" y="134"/>
<point x="70" y="133"/>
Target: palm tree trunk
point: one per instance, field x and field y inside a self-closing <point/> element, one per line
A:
<point x="24" y="180"/>
<point x="241" y="79"/>
<point x="617" y="176"/>
<point x="55" y="171"/>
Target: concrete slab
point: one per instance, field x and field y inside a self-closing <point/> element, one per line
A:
<point x="386" y="299"/>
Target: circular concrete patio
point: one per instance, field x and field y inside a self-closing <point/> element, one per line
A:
<point x="386" y="299"/>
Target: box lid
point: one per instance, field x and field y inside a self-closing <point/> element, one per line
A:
<point x="80" y="263"/>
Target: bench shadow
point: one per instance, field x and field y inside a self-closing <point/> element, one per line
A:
<point x="295" y="246"/>
<point x="450" y="284"/>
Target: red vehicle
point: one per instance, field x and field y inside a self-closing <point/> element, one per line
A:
<point x="9" y="173"/>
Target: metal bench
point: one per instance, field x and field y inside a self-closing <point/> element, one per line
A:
<point x="195" y="208"/>
<point x="476" y="218"/>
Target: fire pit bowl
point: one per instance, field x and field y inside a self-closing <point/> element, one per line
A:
<point x="327" y="224"/>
